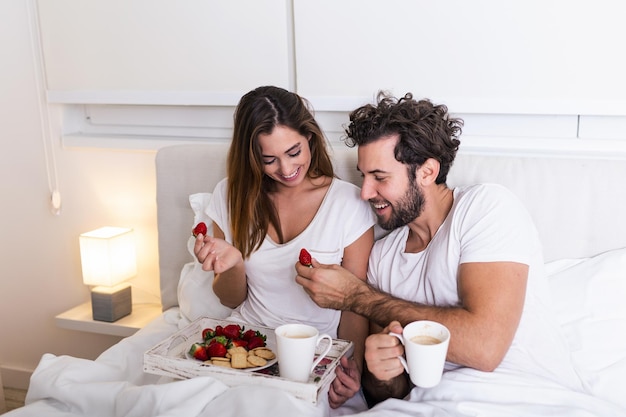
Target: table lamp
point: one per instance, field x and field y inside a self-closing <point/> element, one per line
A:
<point x="108" y="258"/>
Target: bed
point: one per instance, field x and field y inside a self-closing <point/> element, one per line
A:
<point x="576" y="203"/>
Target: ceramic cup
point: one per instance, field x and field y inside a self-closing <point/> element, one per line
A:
<point x="296" y="345"/>
<point x="425" y="347"/>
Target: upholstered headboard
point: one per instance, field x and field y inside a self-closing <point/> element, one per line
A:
<point x="577" y="203"/>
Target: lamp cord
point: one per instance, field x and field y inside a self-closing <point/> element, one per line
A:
<point x="44" y="111"/>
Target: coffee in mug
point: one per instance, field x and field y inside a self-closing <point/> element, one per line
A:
<point x="423" y="339"/>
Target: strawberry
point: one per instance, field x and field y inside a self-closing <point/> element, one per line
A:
<point x="217" y="342"/>
<point x="255" y="342"/>
<point x="199" y="352"/>
<point x="217" y="339"/>
<point x="232" y="331"/>
<point x="248" y="334"/>
<point x="238" y="342"/>
<point x="216" y="350"/>
<point x="305" y="258"/>
<point x="207" y="334"/>
<point x="200" y="229"/>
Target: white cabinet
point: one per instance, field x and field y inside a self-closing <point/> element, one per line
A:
<point x="163" y="51"/>
<point x="483" y="56"/>
<point x="549" y="66"/>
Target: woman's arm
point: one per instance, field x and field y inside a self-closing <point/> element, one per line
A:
<point x="230" y="282"/>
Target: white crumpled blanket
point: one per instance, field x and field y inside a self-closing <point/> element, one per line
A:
<point x="115" y="385"/>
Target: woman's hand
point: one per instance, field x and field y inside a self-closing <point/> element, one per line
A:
<point x="346" y="384"/>
<point x="215" y="254"/>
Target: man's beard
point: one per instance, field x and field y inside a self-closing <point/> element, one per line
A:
<point x="407" y="209"/>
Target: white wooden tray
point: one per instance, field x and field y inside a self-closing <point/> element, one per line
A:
<point x="169" y="358"/>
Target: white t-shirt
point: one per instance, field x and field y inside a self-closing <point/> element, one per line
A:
<point x="274" y="297"/>
<point x="487" y="223"/>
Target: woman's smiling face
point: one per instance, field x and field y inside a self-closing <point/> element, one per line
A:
<point x="286" y="155"/>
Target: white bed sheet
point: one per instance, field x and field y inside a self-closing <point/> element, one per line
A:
<point x="115" y="385"/>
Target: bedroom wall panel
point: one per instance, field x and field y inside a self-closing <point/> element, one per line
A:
<point x="515" y="70"/>
<point x="154" y="51"/>
<point x="485" y="56"/>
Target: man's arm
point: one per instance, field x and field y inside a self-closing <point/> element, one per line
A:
<point x="482" y="327"/>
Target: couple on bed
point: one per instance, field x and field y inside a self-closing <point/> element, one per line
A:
<point x="468" y="257"/>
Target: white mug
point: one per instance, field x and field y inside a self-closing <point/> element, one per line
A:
<point x="425" y="346"/>
<point x="296" y="344"/>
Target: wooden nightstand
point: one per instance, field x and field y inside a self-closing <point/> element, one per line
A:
<point x="80" y="318"/>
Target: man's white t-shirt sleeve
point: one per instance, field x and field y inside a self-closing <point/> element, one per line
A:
<point x="493" y="226"/>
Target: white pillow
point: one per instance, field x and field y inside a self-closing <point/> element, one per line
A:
<point x="590" y="299"/>
<point x="195" y="287"/>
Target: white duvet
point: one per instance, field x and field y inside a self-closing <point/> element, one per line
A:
<point x="115" y="385"/>
<point x="589" y="298"/>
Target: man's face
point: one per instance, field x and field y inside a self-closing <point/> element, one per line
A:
<point x="395" y="197"/>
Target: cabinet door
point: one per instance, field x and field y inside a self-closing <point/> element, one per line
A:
<point x="485" y="56"/>
<point x="217" y="48"/>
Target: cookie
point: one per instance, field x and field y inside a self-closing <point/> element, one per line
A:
<point x="225" y="364"/>
<point x="237" y="349"/>
<point x="264" y="353"/>
<point x="256" y="361"/>
<point x="239" y="360"/>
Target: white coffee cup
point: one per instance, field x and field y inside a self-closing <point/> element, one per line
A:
<point x="296" y="345"/>
<point x="425" y="347"/>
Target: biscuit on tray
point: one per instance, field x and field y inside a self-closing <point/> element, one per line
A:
<point x="255" y="361"/>
<point x="264" y="353"/>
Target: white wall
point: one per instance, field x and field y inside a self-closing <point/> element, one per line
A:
<point x="39" y="258"/>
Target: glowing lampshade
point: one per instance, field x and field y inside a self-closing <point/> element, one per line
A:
<point x="109" y="258"/>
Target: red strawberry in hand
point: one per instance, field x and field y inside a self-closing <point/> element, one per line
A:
<point x="200" y="229"/>
<point x="305" y="258"/>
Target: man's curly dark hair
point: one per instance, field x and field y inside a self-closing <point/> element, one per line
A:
<point x="425" y="130"/>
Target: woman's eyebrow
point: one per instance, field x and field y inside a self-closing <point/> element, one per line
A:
<point x="287" y="151"/>
<point x="292" y="148"/>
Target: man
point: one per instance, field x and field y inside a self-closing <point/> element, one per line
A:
<point x="469" y="258"/>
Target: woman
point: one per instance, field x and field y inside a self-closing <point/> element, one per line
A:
<point x="281" y="195"/>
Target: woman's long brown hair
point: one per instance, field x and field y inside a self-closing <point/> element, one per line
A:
<point x="258" y="112"/>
